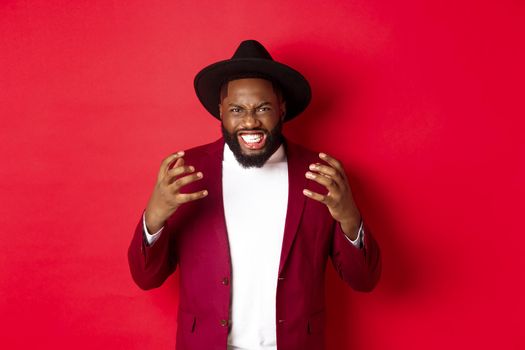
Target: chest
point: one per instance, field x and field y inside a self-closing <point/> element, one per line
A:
<point x="255" y="204"/>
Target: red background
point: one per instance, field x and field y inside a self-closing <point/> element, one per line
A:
<point x="422" y="100"/>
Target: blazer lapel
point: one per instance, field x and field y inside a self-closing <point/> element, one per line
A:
<point x="297" y="167"/>
<point x="214" y="175"/>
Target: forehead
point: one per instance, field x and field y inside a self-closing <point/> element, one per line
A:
<point x="250" y="87"/>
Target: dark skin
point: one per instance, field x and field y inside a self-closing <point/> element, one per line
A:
<point x="251" y="103"/>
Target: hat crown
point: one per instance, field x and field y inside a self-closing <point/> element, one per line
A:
<point x="251" y="59"/>
<point x="251" y="49"/>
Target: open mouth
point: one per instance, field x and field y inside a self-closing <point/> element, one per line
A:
<point x="253" y="140"/>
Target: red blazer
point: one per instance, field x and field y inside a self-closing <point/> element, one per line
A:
<point x="195" y="240"/>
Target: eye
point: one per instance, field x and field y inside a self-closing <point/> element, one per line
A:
<point x="263" y="109"/>
<point x="235" y="110"/>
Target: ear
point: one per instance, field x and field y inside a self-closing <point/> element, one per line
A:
<point x="283" y="110"/>
<point x="220" y="111"/>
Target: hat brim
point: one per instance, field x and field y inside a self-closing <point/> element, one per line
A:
<point x="296" y="90"/>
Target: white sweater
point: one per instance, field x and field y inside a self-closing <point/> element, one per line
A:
<point x="255" y="203"/>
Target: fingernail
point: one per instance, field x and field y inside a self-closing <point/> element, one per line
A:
<point x="307" y="192"/>
<point x="180" y="153"/>
<point x="205" y="193"/>
<point x="310" y="175"/>
<point x="199" y="174"/>
<point x="322" y="155"/>
<point x="192" y="168"/>
<point x="312" y="166"/>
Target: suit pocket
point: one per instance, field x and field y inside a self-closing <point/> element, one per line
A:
<point x="316" y="322"/>
<point x="186" y="322"/>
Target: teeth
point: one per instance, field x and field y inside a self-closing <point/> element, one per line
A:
<point x="252" y="138"/>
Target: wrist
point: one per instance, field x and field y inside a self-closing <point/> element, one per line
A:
<point x="154" y="220"/>
<point x="350" y="227"/>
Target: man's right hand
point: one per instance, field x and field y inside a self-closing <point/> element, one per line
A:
<point x="166" y="196"/>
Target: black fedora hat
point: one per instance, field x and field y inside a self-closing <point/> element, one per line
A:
<point x="251" y="59"/>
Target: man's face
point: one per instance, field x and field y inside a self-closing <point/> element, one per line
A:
<point x="252" y="114"/>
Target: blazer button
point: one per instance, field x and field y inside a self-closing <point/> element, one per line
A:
<point x="224" y="323"/>
<point x="225" y="281"/>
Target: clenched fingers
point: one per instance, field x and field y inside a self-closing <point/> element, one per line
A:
<point x="172" y="160"/>
<point x="177" y="171"/>
<point x="324" y="169"/>
<point x="316" y="196"/>
<point x="183" y="181"/>
<point x="330" y="171"/>
<point x="188" y="197"/>
<point x="332" y="161"/>
<point x="164" y="166"/>
<point x="323" y="180"/>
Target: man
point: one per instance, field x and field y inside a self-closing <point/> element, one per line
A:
<point x="251" y="219"/>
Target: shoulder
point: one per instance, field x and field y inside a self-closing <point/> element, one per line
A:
<point x="295" y="150"/>
<point x="205" y="156"/>
<point x="205" y="150"/>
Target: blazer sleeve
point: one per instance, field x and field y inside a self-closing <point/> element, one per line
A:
<point x="358" y="267"/>
<point x="150" y="265"/>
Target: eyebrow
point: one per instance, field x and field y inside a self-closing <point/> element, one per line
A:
<point x="231" y="104"/>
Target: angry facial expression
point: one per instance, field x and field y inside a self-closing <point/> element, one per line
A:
<point x="252" y="111"/>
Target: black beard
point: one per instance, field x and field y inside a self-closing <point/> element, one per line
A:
<point x="274" y="139"/>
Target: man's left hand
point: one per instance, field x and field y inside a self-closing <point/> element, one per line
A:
<point x="339" y="198"/>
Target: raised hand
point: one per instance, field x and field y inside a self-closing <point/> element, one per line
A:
<point x="166" y="196"/>
<point x="339" y="198"/>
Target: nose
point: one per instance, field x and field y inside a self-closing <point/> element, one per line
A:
<point x="250" y="121"/>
